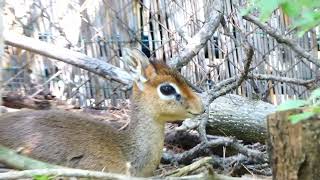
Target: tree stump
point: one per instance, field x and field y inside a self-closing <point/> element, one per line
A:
<point x="294" y="148"/>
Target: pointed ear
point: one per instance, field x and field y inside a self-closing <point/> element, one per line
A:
<point x="136" y="63"/>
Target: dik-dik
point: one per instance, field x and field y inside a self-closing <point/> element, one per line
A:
<point x="77" y="140"/>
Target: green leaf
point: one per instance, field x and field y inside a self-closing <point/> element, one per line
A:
<point x="310" y="3"/>
<point x="291" y="104"/>
<point x="316" y="109"/>
<point x="300" y="117"/>
<point x="309" y="19"/>
<point x="41" y="177"/>
<point x="291" y="8"/>
<point x="267" y="7"/>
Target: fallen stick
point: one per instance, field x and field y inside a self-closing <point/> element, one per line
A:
<point x="14" y="160"/>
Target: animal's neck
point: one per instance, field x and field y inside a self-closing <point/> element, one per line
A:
<point x="146" y="137"/>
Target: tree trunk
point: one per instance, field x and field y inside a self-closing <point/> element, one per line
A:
<point x="238" y="116"/>
<point x="294" y="148"/>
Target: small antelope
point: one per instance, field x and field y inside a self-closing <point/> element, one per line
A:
<point x="77" y="140"/>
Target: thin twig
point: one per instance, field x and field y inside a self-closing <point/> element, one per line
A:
<point x="15" y="76"/>
<point x="49" y="80"/>
<point x="187" y="169"/>
<point x="199" y="40"/>
<point x="196" y="151"/>
<point x="283" y="40"/>
<point x="301" y="82"/>
<point x="213" y="94"/>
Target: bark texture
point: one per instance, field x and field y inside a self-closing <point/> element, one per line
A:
<point x="294" y="148"/>
<point x="237" y="116"/>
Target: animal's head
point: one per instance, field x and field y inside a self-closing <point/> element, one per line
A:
<point x="160" y="90"/>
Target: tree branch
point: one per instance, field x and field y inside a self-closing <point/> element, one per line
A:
<point x="12" y="159"/>
<point x="188" y="156"/>
<point x="199" y="40"/>
<point x="213" y="94"/>
<point x="40" y="169"/>
<point x="79" y="173"/>
<point x="283" y="40"/>
<point x="300" y="82"/>
<point x="307" y="83"/>
<point x="77" y="59"/>
<point x="108" y="71"/>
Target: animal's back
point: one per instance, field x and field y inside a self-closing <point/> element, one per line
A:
<point x="64" y="138"/>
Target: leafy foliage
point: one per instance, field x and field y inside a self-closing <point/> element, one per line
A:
<point x="312" y="104"/>
<point x="295" y="118"/>
<point x="305" y="14"/>
<point x="291" y="104"/>
<point x="41" y="177"/>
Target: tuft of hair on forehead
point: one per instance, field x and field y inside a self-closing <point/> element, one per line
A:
<point x="162" y="69"/>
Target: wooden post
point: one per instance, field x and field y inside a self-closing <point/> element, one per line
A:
<point x="294" y="148"/>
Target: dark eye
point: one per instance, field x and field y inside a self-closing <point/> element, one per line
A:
<point x="167" y="90"/>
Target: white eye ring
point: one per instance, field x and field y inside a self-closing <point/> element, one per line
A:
<point x="169" y="97"/>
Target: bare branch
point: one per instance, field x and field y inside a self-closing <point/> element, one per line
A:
<point x="199" y="40"/>
<point x="213" y="94"/>
<point x="187" y="169"/>
<point x="64" y="173"/>
<point x="307" y="83"/>
<point x="203" y="118"/>
<point x="22" y="69"/>
<point x="300" y="82"/>
<point x="283" y="40"/>
<point x="79" y="173"/>
<point x="77" y="59"/>
<point x="231" y="163"/>
<point x="11" y="158"/>
<point x="198" y="150"/>
<point x="14" y="159"/>
<point x="202" y="163"/>
<point x="45" y="83"/>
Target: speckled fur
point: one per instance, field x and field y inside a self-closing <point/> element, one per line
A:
<point x="81" y="141"/>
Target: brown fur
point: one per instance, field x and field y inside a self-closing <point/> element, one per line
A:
<point x="78" y="140"/>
